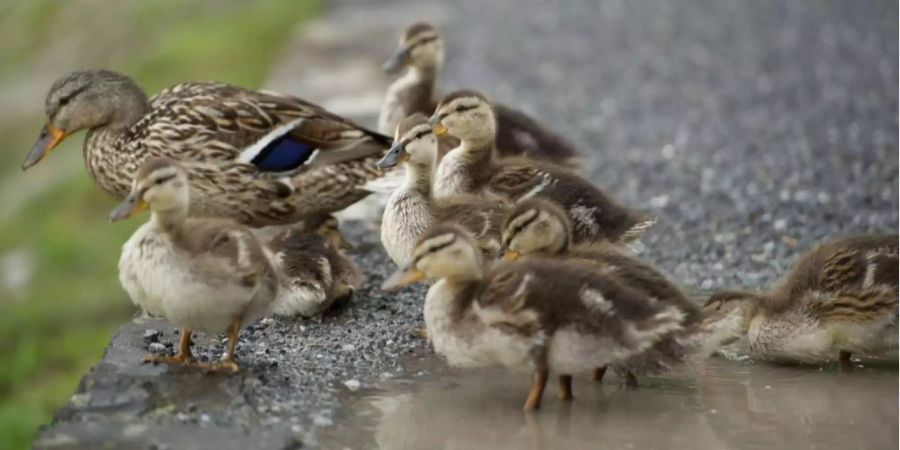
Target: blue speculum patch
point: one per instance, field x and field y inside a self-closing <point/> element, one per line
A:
<point x="283" y="154"/>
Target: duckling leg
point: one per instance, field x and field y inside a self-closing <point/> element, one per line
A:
<point x="844" y="363"/>
<point x="565" y="387"/>
<point x="631" y="381"/>
<point x="538" y="381"/>
<point x="183" y="356"/>
<point x="597" y="375"/>
<point x="227" y="363"/>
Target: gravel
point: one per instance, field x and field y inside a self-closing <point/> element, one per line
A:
<point x="752" y="128"/>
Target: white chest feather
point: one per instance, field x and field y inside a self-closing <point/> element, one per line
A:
<point x="164" y="282"/>
<point x="406" y="216"/>
<point x="450" y="177"/>
<point x="465" y="340"/>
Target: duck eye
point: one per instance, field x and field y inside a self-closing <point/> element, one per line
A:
<point x="460" y="108"/>
<point x="64" y="101"/>
<point x="160" y="180"/>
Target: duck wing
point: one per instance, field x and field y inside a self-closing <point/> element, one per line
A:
<point x="209" y="121"/>
<point x="537" y="294"/>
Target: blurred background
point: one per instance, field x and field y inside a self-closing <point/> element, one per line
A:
<point x="60" y="300"/>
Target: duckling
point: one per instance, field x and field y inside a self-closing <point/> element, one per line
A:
<point x="209" y="275"/>
<point x="840" y="298"/>
<point x="534" y="314"/>
<point x="471" y="168"/>
<point x="313" y="273"/>
<point x="412" y="209"/>
<point x="537" y="226"/>
<point x="421" y="53"/>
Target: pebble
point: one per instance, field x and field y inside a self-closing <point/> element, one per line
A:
<point x="156" y="347"/>
<point x="151" y="335"/>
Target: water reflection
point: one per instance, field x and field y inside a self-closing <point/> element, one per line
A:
<point x="728" y="406"/>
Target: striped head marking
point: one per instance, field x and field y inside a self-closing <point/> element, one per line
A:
<point x="536" y="226"/>
<point x="466" y="115"/>
<point x="414" y="141"/>
<point x="730" y="312"/>
<point x="160" y="185"/>
<point x="447" y="251"/>
<point x="421" y="47"/>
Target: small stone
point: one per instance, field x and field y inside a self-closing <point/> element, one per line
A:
<point x="353" y="385"/>
<point x="156" y="347"/>
<point x="151" y="335"/>
<point x="668" y="151"/>
<point x="779" y="224"/>
<point x="659" y="202"/>
<point x="320" y="420"/>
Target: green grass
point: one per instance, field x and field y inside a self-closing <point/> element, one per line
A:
<point x="57" y="325"/>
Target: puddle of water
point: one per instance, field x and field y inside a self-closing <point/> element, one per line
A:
<point x="729" y="405"/>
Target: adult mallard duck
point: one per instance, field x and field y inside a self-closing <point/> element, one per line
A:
<point x="421" y="53"/>
<point x="472" y="168"/>
<point x="539" y="227"/>
<point x="534" y="314"/>
<point x="258" y="157"/>
<point x="840" y="298"/>
<point x="412" y="209"/>
<point x="206" y="274"/>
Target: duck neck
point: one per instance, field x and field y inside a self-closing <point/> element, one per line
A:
<point x="415" y="89"/>
<point x="469" y="274"/>
<point x="418" y="178"/>
<point x="426" y="75"/>
<point x="169" y="221"/>
<point x="476" y="159"/>
<point x="110" y="162"/>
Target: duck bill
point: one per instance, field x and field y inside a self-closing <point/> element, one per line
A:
<point x="396" y="155"/>
<point x="397" y="61"/>
<point x="49" y="138"/>
<point x="132" y="205"/>
<point x="437" y="127"/>
<point x="511" y="255"/>
<point x="402" y="278"/>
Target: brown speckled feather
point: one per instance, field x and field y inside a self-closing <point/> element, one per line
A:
<point x="206" y="126"/>
<point x="547" y="294"/>
<point x="302" y="255"/>
<point x="851" y="263"/>
<point x="480" y="217"/>
<point x="220" y="246"/>
<point x="595" y="215"/>
<point x="638" y="274"/>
